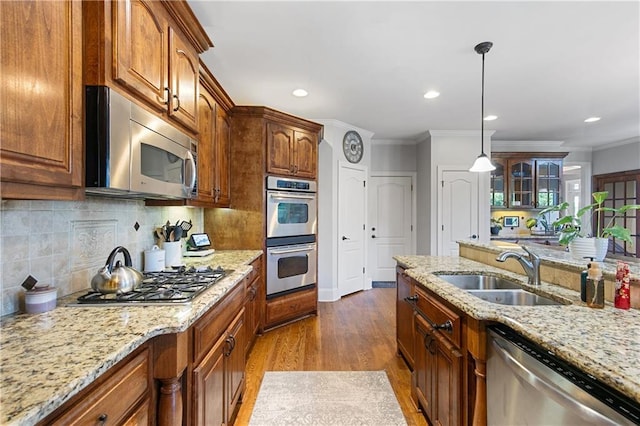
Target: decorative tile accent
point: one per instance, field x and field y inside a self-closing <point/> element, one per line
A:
<point x="91" y="242"/>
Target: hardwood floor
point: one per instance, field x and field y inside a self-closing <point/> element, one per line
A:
<point x="354" y="333"/>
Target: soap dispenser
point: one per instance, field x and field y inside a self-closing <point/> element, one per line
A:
<point x="595" y="286"/>
<point x="583" y="280"/>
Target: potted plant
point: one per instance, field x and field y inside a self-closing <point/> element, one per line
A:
<point x="572" y="235"/>
<point x="542" y="220"/>
<point x="496" y="225"/>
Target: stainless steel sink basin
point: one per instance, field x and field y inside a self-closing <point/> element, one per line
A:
<point x="479" y="282"/>
<point x="513" y="297"/>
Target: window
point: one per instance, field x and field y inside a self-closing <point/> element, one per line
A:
<point x="623" y="188"/>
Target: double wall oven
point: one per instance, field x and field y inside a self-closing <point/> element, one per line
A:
<point x="291" y="235"/>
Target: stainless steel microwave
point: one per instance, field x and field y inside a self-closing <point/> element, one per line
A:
<point x="133" y="153"/>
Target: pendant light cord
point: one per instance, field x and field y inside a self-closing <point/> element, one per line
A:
<point x="482" y="111"/>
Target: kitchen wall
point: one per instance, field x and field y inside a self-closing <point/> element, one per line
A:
<point x="64" y="243"/>
<point x="618" y="157"/>
<point x="393" y="156"/>
<point x="330" y="156"/>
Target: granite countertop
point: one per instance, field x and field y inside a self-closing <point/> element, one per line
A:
<point x="48" y="358"/>
<point x="602" y="342"/>
<point x="559" y="258"/>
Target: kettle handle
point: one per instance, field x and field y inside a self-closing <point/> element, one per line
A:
<point x="112" y="256"/>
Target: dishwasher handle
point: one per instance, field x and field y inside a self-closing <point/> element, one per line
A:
<point x="523" y="374"/>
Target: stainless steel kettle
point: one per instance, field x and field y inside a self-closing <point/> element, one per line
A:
<point x="117" y="279"/>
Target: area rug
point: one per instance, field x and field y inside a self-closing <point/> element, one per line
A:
<point x="340" y="398"/>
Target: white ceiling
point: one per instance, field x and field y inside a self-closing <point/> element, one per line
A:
<point x="368" y="64"/>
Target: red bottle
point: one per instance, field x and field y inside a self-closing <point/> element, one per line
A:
<point x="622" y="298"/>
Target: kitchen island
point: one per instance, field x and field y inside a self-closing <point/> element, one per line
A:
<point x="48" y="358"/>
<point x="602" y="342"/>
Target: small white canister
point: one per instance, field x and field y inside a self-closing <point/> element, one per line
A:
<point x="40" y="299"/>
<point x="154" y="259"/>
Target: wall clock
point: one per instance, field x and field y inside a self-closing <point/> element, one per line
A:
<point x="352" y="146"/>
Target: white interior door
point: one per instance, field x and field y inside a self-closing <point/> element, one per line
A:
<point x="458" y="209"/>
<point x="351" y="228"/>
<point x="390" y="224"/>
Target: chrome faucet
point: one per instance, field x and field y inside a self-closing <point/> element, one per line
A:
<point x="531" y="265"/>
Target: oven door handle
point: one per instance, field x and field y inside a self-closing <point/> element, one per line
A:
<point x="291" y="196"/>
<point x="286" y="251"/>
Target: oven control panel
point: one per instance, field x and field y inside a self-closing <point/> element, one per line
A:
<point x="286" y="184"/>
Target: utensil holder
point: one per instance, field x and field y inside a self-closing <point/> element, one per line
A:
<point x="172" y="253"/>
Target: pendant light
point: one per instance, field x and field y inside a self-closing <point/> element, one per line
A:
<point x="482" y="163"/>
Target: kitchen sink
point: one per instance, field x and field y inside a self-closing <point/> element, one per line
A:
<point x="479" y="282"/>
<point x="513" y="297"/>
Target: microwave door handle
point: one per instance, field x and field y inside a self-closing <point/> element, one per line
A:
<point x="276" y="252"/>
<point x="190" y="172"/>
<point x="297" y="197"/>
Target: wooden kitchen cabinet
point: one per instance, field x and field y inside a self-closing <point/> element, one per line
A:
<point x="219" y="360"/>
<point x="291" y="152"/>
<point x="255" y="293"/>
<point x="221" y="165"/>
<point x="404" y="314"/>
<point x="214" y="180"/>
<point x="292" y="306"/>
<point x="120" y="396"/>
<point x="526" y="180"/>
<point x="438" y="375"/>
<point x="42" y="92"/>
<point x="150" y="49"/>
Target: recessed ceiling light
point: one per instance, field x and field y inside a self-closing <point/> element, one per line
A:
<point x="431" y="94"/>
<point x="591" y="119"/>
<point x="300" y="93"/>
<point x="490" y="117"/>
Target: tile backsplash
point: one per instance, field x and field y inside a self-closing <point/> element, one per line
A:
<point x="64" y="243"/>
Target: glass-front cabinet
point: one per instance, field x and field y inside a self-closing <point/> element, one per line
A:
<point x="521" y="184"/>
<point x="498" y="184"/>
<point x="548" y="175"/>
<point x="526" y="180"/>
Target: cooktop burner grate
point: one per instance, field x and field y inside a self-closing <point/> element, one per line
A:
<point x="170" y="287"/>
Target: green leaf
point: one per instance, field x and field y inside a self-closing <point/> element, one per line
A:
<point x="599" y="197"/>
<point x="618" y="232"/>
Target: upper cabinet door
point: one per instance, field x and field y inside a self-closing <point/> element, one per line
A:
<point x="521" y="184"/>
<point x="305" y="154"/>
<point x="498" y="184"/>
<point x="223" y="154"/>
<point x="279" y="149"/>
<point x="184" y="70"/>
<point x="206" y="145"/>
<point x="41" y="148"/>
<point x="140" y="51"/>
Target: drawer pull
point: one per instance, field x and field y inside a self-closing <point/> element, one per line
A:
<point x="410" y="299"/>
<point x="446" y="326"/>
<point x="102" y="419"/>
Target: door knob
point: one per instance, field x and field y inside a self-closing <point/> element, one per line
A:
<point x="345" y="238"/>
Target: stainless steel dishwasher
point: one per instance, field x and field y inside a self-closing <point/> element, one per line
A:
<point x="528" y="385"/>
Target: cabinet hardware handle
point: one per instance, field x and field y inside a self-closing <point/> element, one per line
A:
<point x="103" y="419"/>
<point x="425" y="341"/>
<point x="165" y="101"/>
<point x="446" y="326"/>
<point x="229" y="346"/>
<point x="373" y="236"/>
<point x="413" y="298"/>
<point x="345" y="238"/>
<point x="233" y="343"/>
<point x="178" y="103"/>
<point x="432" y="346"/>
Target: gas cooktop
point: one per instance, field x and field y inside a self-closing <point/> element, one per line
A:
<point x="178" y="286"/>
